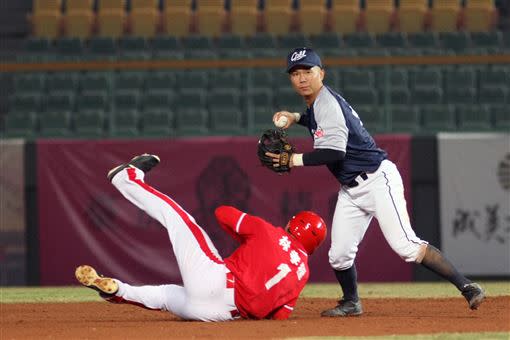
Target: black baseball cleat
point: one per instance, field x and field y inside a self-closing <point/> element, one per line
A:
<point x="105" y="286"/>
<point x="474" y="294"/>
<point x="143" y="162"/>
<point x="344" y="308"/>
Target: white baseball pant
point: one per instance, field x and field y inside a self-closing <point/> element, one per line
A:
<point x="204" y="295"/>
<point x="381" y="196"/>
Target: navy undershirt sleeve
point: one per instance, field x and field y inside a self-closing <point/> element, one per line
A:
<point x="322" y="157"/>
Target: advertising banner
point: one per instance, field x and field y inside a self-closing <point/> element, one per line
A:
<point x="474" y="175"/>
<point x="84" y="220"/>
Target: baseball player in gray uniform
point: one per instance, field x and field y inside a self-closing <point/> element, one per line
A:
<point x="371" y="185"/>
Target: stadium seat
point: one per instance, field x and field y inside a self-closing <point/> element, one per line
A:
<point x="493" y="95"/>
<point x="144" y="18"/>
<point x="501" y="117"/>
<point x="210" y="16"/>
<point x="133" y="48"/>
<point x="445" y="15"/>
<point x="427" y="95"/>
<point x="457" y="41"/>
<point x="27" y="84"/>
<point x="405" y="118"/>
<point x="23" y="103"/>
<point x="397" y="96"/>
<point x="278" y="16"/>
<point x="427" y="77"/>
<point x="55" y="124"/>
<point x="125" y="123"/>
<point x="198" y="47"/>
<point x="461" y="86"/>
<point x="379" y="16"/>
<point x="438" y="118"/>
<point x="46" y="18"/>
<point x="20" y="124"/>
<point x="79" y="19"/>
<point x="166" y="47"/>
<point x="260" y="119"/>
<point x="345" y="16"/>
<point x="129" y="80"/>
<point x="89" y="123"/>
<point x="79" y="24"/>
<point x="37" y="46"/>
<point x="192" y="121"/>
<point x="495" y="76"/>
<point x="69" y="49"/>
<point x="232" y="46"/>
<point x="93" y="101"/>
<point x="412" y="15"/>
<point x="177" y="17"/>
<point x="479" y="15"/>
<point x="360" y="96"/>
<point x="220" y="98"/>
<point x="359" y="40"/>
<point x="424" y="40"/>
<point x="192" y="99"/>
<point x="127" y="101"/>
<point x="158" y="122"/>
<point x="92" y="82"/>
<point x="289" y="42"/>
<point x="62" y="82"/>
<point x="102" y="47"/>
<point x="197" y="79"/>
<point x="227" y="121"/>
<point x="281" y="81"/>
<point x="259" y="98"/>
<point x="358" y="78"/>
<point x="61" y="102"/>
<point x="327" y="44"/>
<point x="373" y="118"/>
<point x="157" y="100"/>
<point x="398" y="77"/>
<point x="111" y="18"/>
<point x="287" y="99"/>
<point x="263" y="45"/>
<point x="473" y="118"/>
<point x="227" y="79"/>
<point x="244" y="17"/>
<point x="312" y="16"/>
<point x="161" y="80"/>
<point x="391" y="40"/>
<point x="490" y="42"/>
<point x="260" y="79"/>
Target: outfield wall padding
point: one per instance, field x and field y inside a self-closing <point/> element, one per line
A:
<point x="82" y="219"/>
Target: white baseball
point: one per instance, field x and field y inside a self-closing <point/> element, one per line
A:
<point x="281" y="122"/>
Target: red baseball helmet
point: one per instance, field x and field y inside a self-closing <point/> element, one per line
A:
<point x="308" y="228"/>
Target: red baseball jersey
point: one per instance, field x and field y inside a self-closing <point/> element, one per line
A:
<point x="270" y="268"/>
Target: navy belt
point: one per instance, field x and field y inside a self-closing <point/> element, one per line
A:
<point x="354" y="182"/>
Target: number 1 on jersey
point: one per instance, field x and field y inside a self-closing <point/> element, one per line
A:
<point x="283" y="270"/>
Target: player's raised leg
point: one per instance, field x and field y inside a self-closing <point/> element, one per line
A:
<point x="195" y="254"/>
<point x="391" y="212"/>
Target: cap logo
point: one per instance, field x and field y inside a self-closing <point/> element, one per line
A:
<point x="298" y="55"/>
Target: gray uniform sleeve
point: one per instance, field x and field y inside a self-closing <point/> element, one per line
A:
<point x="332" y="131"/>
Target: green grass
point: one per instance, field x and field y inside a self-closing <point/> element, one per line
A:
<point x="437" y="336"/>
<point x="367" y="290"/>
<point x="405" y="290"/>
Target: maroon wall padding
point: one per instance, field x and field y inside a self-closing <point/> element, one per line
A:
<point x="84" y="220"/>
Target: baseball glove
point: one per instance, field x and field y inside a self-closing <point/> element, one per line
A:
<point x="275" y="141"/>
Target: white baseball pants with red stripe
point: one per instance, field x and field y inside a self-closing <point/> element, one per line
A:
<point x="204" y="295"/>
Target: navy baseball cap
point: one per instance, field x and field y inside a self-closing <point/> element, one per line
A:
<point x="303" y="56"/>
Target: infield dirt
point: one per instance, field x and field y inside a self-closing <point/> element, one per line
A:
<point x="101" y="320"/>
